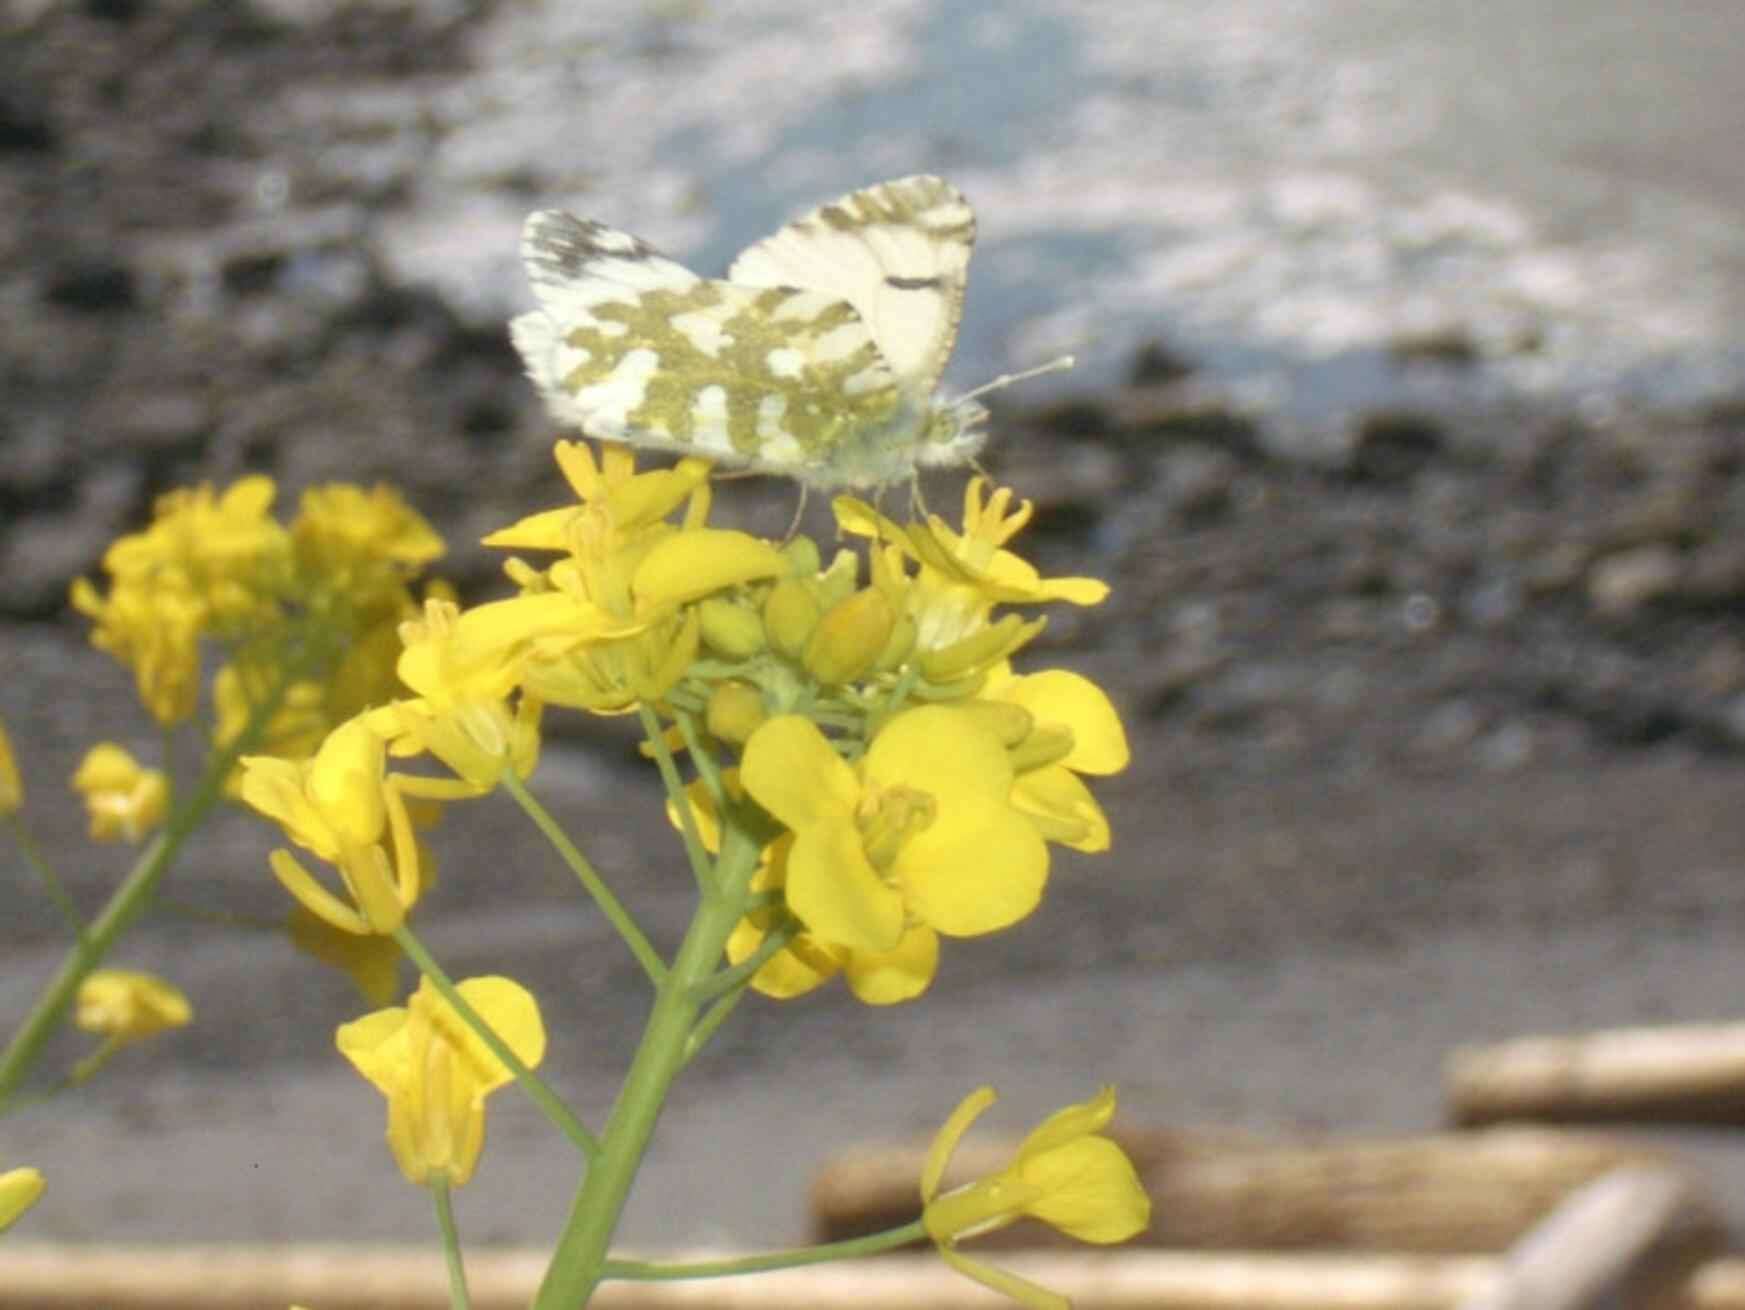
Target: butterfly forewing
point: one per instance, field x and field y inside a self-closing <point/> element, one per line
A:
<point x="631" y="346"/>
<point x="898" y="252"/>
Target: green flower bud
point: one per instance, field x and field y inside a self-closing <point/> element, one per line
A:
<point x="979" y="651"/>
<point x="850" y="638"/>
<point x="839" y="580"/>
<point x="1047" y="745"/>
<point x="789" y="615"/>
<point x="1007" y="722"/>
<point x="730" y="629"/>
<point x="900" y="645"/>
<point x="735" y="711"/>
<point x="802" y="553"/>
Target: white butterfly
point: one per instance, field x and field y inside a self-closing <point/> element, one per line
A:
<point x="817" y="357"/>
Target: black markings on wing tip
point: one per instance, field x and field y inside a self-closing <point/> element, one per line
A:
<point x="899" y="283"/>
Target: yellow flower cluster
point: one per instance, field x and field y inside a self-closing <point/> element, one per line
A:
<point x="915" y="780"/>
<point x="322" y="595"/>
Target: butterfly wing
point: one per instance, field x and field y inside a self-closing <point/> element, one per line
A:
<point x="629" y="345"/>
<point x="898" y="252"/>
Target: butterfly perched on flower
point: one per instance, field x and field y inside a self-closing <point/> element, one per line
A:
<point x="817" y="357"/>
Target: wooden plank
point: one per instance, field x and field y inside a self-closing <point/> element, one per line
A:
<point x="1618" y="1241"/>
<point x="1675" y="1074"/>
<point x="1214" y="1190"/>
<point x="56" y="1277"/>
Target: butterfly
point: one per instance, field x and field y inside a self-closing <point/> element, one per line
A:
<point x="817" y="357"/>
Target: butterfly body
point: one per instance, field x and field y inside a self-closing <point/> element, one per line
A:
<point x="817" y="357"/>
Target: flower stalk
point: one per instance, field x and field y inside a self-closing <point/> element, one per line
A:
<point x="579" y="1261"/>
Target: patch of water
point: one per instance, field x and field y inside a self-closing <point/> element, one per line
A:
<point x="1283" y="191"/>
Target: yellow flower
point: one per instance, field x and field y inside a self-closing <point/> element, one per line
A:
<point x="919" y="838"/>
<point x="436" y="1072"/>
<point x="341" y="806"/>
<point x="951" y="635"/>
<point x="1075" y="730"/>
<point x="296" y="729"/>
<point x="19" y="1190"/>
<point x="126" y="1006"/>
<point x="154" y="629"/>
<point x="1064" y="1174"/>
<point x="976" y="557"/>
<point x="341" y="527"/>
<point x="371" y="961"/>
<point x="611" y="625"/>
<point x="222" y="549"/>
<point x="125" y="801"/>
<point x="11" y="788"/>
<point x="462" y="714"/>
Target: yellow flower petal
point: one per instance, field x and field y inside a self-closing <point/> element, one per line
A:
<point x="790" y="769"/>
<point x="1060" y="696"/>
<point x="1090" y="1191"/>
<point x="1062" y="808"/>
<point x="896" y="975"/>
<point x="129" y="1005"/>
<point x="687" y="566"/>
<point x="11" y="789"/>
<point x="836" y="892"/>
<point x="19" y="1190"/>
<point x="945" y="1141"/>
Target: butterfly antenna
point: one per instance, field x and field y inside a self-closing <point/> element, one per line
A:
<point x="799" y="513"/>
<point x="1059" y="365"/>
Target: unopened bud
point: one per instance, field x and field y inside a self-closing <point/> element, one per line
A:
<point x="735" y="711"/>
<point x="899" y="645"/>
<point x="979" y="651"/>
<point x="730" y="629"/>
<point x="849" y="639"/>
<point x="789" y="615"/>
<point x="1007" y="722"/>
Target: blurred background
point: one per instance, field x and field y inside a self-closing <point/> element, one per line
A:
<point x="1407" y="428"/>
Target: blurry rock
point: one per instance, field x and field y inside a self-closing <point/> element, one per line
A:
<point x="1494" y="603"/>
<point x="49" y="548"/>
<point x="91" y="285"/>
<point x="1394" y="444"/>
<point x="1449" y="727"/>
<point x="1716" y="572"/>
<point x="1508" y="748"/>
<point x="1187" y="411"/>
<point x="1621" y="583"/>
<point x="1451" y="346"/>
<point x="1731" y="721"/>
<point x="1171" y="677"/>
<point x="1558" y="568"/>
<point x="1197" y="480"/>
<point x="1720" y="669"/>
<point x="1155" y="363"/>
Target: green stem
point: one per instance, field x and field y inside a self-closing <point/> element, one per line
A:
<point x="675" y="790"/>
<point x="648" y="1271"/>
<point x="51" y="882"/>
<point x="125" y="905"/>
<point x="609" y="904"/>
<point x="579" y="1261"/>
<point x="457" y="1272"/>
<point x="531" y="1083"/>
